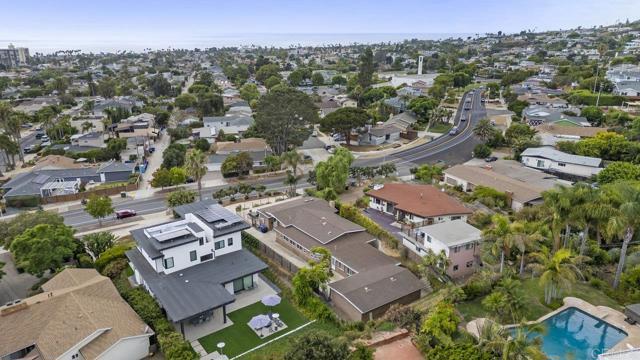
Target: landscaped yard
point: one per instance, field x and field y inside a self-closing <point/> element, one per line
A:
<point x="440" y="127"/>
<point x="239" y="337"/>
<point x="533" y="305"/>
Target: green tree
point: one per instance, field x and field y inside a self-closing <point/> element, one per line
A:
<point x="593" y="114"/>
<point x="361" y="352"/>
<point x="292" y="159"/>
<point x="481" y="151"/>
<point x="99" y="242"/>
<point x="249" y="92"/>
<point x="43" y="247"/>
<point x="184" y="101"/>
<point x="283" y="117"/>
<point x="318" y="346"/>
<point x="338" y="80"/>
<point x="181" y="197"/>
<point x="317" y="79"/>
<point x="343" y="121"/>
<point x="272" y="82"/>
<point x="557" y="271"/>
<point x="99" y="207"/>
<point x="178" y="175"/>
<point x="162" y="118"/>
<point x="161" y="178"/>
<point x="107" y="88"/>
<point x="25" y="220"/>
<point x="203" y="145"/>
<point x="195" y="164"/>
<point x="484" y="130"/>
<point x="624" y="219"/>
<point x="366" y="68"/>
<point x="559" y="202"/>
<point x="210" y="104"/>
<point x="499" y="237"/>
<point x="173" y="156"/>
<point x="291" y="180"/>
<point x="439" y="325"/>
<point x="426" y="173"/>
<point x="267" y="71"/>
<point x="333" y="172"/>
<point x="619" y="170"/>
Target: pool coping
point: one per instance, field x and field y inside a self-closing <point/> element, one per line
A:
<point x="604" y="313"/>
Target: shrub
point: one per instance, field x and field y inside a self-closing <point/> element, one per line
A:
<point x="351" y="213"/>
<point x="175" y="347"/>
<point x="249" y="241"/>
<point x="115" y="268"/>
<point x="403" y="316"/>
<point x="84" y="261"/>
<point x="116" y="252"/>
<point x="481" y="151"/>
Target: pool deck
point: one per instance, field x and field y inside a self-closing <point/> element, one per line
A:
<point x="613" y="317"/>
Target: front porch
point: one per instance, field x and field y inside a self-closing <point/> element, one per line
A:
<point x="216" y="322"/>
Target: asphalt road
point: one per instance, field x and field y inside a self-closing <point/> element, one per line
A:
<point x="155" y="204"/>
<point x="447" y="148"/>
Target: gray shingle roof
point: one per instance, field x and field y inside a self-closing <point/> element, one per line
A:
<point x="189" y="292"/>
<point x="116" y="166"/>
<point x="559" y="156"/>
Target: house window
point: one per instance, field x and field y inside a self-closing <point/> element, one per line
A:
<point x="219" y="245"/>
<point x="540" y="163"/>
<point x="468" y="246"/>
<point x="206" y="257"/>
<point x="456" y="217"/>
<point x="428" y="238"/>
<point x="193" y="255"/>
<point x="469" y="264"/>
<point x="168" y="263"/>
<point x="455" y="267"/>
<point x="201" y="241"/>
<point x="244" y="283"/>
<point x="377" y="201"/>
<point x="562" y="164"/>
<point x="230" y="242"/>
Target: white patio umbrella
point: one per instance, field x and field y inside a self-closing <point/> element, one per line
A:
<point x="270" y="301"/>
<point x="259" y="322"/>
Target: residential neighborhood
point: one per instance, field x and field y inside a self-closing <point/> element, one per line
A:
<point x="461" y="187"/>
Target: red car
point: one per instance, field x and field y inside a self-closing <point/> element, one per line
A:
<point x="125" y="213"/>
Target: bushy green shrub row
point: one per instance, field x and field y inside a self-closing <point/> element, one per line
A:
<point x="352" y="213"/>
<point x="116" y="252"/>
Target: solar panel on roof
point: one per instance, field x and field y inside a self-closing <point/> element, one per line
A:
<point x="172" y="235"/>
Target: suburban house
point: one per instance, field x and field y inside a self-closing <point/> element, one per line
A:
<point x="48" y="182"/>
<point x="196" y="268"/>
<point x="92" y="139"/>
<point x="328" y="106"/>
<point x="459" y="241"/>
<point x="535" y="115"/>
<point x="257" y="148"/>
<point x="207" y="133"/>
<point x="372" y="280"/>
<point x="416" y="204"/>
<point x="79" y="315"/>
<point x="230" y="124"/>
<point x="555" y="161"/>
<point x="627" y="88"/>
<point x="380" y="134"/>
<point x="523" y="185"/>
<point x="404" y="120"/>
<point x="550" y="134"/>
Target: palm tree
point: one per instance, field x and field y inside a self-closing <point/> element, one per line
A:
<point x="526" y="237"/>
<point x="291" y="180"/>
<point x="523" y="346"/>
<point x="589" y="208"/>
<point x="558" y="200"/>
<point x="431" y="260"/>
<point x="624" y="219"/>
<point x="86" y="126"/>
<point x="292" y="158"/>
<point x="558" y="271"/>
<point x="499" y="235"/>
<point x="195" y="165"/>
<point x="484" y="130"/>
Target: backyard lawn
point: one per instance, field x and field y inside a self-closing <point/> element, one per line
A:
<point x="440" y="127"/>
<point x="239" y="337"/>
<point x="533" y="301"/>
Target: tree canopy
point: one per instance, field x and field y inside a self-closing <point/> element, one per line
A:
<point x="344" y="120"/>
<point x="43" y="247"/>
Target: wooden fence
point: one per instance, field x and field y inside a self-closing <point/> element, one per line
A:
<point x="82" y="195"/>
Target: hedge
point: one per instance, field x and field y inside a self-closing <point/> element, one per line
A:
<point x="586" y="97"/>
<point x="23" y="201"/>
<point x="116" y="252"/>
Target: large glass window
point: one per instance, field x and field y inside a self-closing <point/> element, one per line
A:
<point x="168" y="263"/>
<point x="193" y="255"/>
<point x="206" y="257"/>
<point x="219" y="245"/>
<point x="244" y="283"/>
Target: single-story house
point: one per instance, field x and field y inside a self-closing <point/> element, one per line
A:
<point x="232" y="124"/>
<point x="555" y="161"/>
<point x="380" y="134"/>
<point x="92" y="139"/>
<point x="257" y="148"/>
<point x="536" y="115"/>
<point x="79" y="315"/>
<point x="404" y="120"/>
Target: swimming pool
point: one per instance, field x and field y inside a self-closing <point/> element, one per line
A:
<point x="574" y="334"/>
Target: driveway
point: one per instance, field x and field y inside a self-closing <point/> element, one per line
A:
<point x="13" y="285"/>
<point x="384" y="220"/>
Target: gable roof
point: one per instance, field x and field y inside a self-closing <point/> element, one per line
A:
<point x="377" y="287"/>
<point x="77" y="303"/>
<point x="421" y="200"/>
<point x="559" y="156"/>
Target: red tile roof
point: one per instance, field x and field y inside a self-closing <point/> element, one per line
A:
<point x="422" y="200"/>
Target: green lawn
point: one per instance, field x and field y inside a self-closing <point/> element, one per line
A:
<point x="239" y="337"/>
<point x="566" y="123"/>
<point x="533" y="299"/>
<point x="440" y="127"/>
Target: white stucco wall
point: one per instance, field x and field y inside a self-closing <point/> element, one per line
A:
<point x="133" y="348"/>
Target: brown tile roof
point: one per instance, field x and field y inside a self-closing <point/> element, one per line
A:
<point x="76" y="304"/>
<point x="422" y="200"/>
<point x="582" y="131"/>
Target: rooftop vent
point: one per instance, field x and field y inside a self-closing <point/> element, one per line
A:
<point x="392" y="279"/>
<point x="366" y="289"/>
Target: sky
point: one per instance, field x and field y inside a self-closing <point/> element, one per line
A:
<point x="44" y="25"/>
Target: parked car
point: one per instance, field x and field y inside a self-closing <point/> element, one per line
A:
<point x="29" y="149"/>
<point x="125" y="213"/>
<point x="152" y="149"/>
<point x="46" y="143"/>
<point x="453" y="131"/>
<point x="490" y="159"/>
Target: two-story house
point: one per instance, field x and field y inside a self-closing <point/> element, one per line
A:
<point x="195" y="266"/>
<point x="416" y="204"/>
<point x="459" y="241"/>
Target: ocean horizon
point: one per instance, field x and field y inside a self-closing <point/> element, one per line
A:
<point x="281" y="40"/>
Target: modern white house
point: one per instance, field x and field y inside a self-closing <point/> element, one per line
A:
<point x="557" y="162"/>
<point x="196" y="268"/>
<point x="459" y="240"/>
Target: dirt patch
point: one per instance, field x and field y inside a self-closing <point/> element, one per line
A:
<point x="399" y="349"/>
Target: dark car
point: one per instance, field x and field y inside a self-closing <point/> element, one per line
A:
<point x="490" y="159"/>
<point x="190" y="180"/>
<point x="125" y="213"/>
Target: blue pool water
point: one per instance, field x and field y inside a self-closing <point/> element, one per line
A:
<point x="574" y="334"/>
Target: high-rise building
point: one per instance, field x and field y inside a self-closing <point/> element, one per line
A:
<point x="13" y="56"/>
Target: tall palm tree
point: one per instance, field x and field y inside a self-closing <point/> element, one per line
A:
<point x="589" y="207"/>
<point x="194" y="163"/>
<point x="558" y="200"/>
<point x="624" y="219"/>
<point x="499" y="235"/>
<point x="292" y="158"/>
<point x="523" y="346"/>
<point x="484" y="130"/>
<point x="291" y="180"/>
<point x="526" y="237"/>
<point x="558" y="271"/>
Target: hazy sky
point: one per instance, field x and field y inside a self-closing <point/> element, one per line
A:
<point x="162" y="23"/>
